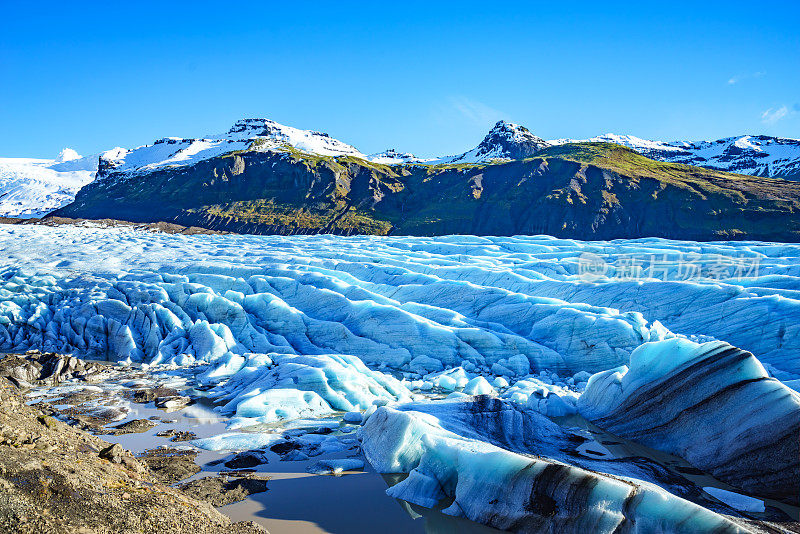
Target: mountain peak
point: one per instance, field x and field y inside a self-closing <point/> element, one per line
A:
<point x="502" y="125"/>
<point x="181" y="152"/>
<point x="506" y="140"/>
<point x="509" y="132"/>
<point x="279" y="134"/>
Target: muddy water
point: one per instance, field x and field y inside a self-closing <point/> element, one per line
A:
<point x="296" y="502"/>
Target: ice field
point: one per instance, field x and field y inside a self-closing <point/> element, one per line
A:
<point x="483" y="368"/>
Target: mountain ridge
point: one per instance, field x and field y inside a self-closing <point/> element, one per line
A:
<point x="583" y="191"/>
<point x="24" y="192"/>
<point x="757" y="155"/>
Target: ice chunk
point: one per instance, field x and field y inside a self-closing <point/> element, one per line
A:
<point x="479" y="386"/>
<point x="353" y="417"/>
<point x="304" y="386"/>
<point x="500" y="382"/>
<point x="674" y="396"/>
<point x="336" y="466"/>
<point x="234" y="441"/>
<point x="557" y="406"/>
<point x="506" y="490"/>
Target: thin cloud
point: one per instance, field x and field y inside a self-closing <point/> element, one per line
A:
<point x="475" y="111"/>
<point x="773" y="115"/>
<point x="733" y="80"/>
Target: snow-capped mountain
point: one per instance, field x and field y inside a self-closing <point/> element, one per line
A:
<point x="757" y="155"/>
<point x="504" y="141"/>
<point x="35" y="187"/>
<point x="395" y="157"/>
<point x="256" y="134"/>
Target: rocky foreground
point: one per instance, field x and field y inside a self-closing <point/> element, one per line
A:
<point x="55" y="478"/>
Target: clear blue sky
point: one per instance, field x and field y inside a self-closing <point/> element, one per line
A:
<point x="428" y="77"/>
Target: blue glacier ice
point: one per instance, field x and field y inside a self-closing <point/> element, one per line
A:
<point x="710" y="403"/>
<point x="494" y="348"/>
<point x="492" y="477"/>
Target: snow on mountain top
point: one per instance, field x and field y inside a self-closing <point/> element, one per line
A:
<point x="757" y="155"/>
<point x="511" y="132"/>
<point x="395" y="157"/>
<point x="505" y="140"/>
<point x="303" y="140"/>
<point x="630" y="141"/>
<point x="744" y="142"/>
<point x="114" y="154"/>
<point x="177" y="151"/>
<point x="748" y="142"/>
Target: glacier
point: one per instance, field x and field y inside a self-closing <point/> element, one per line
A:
<point x="34" y="187"/>
<point x="483" y="369"/>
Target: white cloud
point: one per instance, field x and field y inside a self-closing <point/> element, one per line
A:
<point x="773" y="115"/>
<point x="475" y="111"/>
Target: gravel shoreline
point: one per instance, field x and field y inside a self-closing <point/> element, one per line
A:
<point x="55" y="478"/>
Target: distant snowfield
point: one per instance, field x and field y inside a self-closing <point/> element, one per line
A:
<point x="301" y="327"/>
<point x="35" y="187"/>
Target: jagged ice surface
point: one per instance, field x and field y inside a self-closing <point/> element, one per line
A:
<point x="306" y="326"/>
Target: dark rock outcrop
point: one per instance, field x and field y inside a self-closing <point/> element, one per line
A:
<point x="36" y="368"/>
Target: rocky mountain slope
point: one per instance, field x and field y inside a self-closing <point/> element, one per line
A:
<point x="581" y="190"/>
